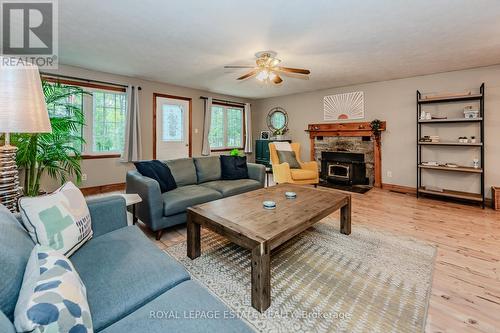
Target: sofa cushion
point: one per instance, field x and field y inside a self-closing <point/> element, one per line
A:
<point x="5" y="324"/>
<point x="184" y="301"/>
<point x="158" y="171"/>
<point x="207" y="168"/>
<point x="183" y="171"/>
<point x="233" y="167"/>
<point x="123" y="270"/>
<point x="60" y="220"/>
<point x="178" y="200"/>
<point x="15" y="250"/>
<point x="303" y="174"/>
<point x="232" y="187"/>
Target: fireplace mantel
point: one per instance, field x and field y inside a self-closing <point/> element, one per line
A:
<point x="350" y="129"/>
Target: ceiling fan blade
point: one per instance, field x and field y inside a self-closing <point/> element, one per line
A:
<point x="277" y="79"/>
<point x="294" y="75"/>
<point x="239" y="66"/>
<point x="247" y="75"/>
<point x="295" y="70"/>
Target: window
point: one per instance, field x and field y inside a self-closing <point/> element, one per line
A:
<point x="173" y="123"/>
<point x="226" y="127"/>
<point x="105" y="113"/>
<point x="108" y="125"/>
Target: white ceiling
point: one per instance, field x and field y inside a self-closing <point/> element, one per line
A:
<point x="342" y="42"/>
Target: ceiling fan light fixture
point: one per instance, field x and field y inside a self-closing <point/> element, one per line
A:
<point x="268" y="71"/>
<point x="263" y="75"/>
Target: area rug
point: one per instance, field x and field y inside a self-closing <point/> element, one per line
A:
<point x="324" y="281"/>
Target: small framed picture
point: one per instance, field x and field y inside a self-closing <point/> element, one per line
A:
<point x="265" y="135"/>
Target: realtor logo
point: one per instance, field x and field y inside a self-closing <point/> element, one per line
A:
<point x="29" y="32"/>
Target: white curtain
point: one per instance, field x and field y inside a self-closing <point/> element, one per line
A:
<point x="132" y="150"/>
<point x="205" y="148"/>
<point x="248" y="129"/>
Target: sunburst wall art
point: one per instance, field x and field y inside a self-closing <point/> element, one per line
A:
<point x="344" y="106"/>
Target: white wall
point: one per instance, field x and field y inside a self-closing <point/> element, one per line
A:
<point x="395" y="102"/>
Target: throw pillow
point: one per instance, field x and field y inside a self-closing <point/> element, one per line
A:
<point x="207" y="168"/>
<point x="233" y="167"/>
<point x="183" y="170"/>
<point x="288" y="157"/>
<point x="158" y="171"/>
<point x="53" y="298"/>
<point x="60" y="220"/>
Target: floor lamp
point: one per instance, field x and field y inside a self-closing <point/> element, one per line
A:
<point x="22" y="110"/>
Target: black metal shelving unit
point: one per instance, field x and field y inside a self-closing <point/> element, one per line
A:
<point x="475" y="197"/>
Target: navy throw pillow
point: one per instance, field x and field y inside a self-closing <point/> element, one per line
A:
<point x="158" y="171"/>
<point x="233" y="167"/>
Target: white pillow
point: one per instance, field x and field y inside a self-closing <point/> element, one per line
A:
<point x="60" y="220"/>
<point x="283" y="146"/>
<point x="53" y="298"/>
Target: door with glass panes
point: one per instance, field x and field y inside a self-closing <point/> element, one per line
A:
<point x="172" y="127"/>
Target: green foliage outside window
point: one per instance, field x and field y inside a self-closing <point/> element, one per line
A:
<point x="226" y="130"/>
<point x="109" y="120"/>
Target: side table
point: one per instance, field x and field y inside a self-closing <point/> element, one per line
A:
<point x="269" y="171"/>
<point x="132" y="199"/>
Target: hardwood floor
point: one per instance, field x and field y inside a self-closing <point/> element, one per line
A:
<point x="466" y="282"/>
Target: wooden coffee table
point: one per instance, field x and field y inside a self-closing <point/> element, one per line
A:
<point x="243" y="220"/>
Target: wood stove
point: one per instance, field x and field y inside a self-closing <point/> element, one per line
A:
<point x="343" y="168"/>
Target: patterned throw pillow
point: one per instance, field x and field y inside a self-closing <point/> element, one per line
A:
<point x="53" y="298"/>
<point x="60" y="220"/>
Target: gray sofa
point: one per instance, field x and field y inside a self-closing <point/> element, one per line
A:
<point x="198" y="181"/>
<point x="130" y="283"/>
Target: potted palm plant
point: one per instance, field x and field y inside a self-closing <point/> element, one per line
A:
<point x="58" y="153"/>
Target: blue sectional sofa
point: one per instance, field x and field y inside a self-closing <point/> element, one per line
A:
<point x="132" y="286"/>
<point x="198" y="181"/>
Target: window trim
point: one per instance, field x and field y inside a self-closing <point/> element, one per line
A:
<point x="83" y="84"/>
<point x="99" y="156"/>
<point x="89" y="155"/>
<point x="244" y="137"/>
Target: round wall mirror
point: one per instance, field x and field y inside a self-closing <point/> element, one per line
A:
<point x="277" y="119"/>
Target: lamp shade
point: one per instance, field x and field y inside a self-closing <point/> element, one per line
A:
<point x="22" y="103"/>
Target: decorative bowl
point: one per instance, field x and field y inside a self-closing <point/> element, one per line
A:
<point x="290" y="195"/>
<point x="269" y="204"/>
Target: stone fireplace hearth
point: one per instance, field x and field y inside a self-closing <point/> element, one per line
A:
<point x="354" y="137"/>
<point x="354" y="153"/>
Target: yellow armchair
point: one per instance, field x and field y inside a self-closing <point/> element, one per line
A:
<point x="307" y="174"/>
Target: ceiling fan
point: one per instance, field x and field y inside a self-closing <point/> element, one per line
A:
<point x="267" y="69"/>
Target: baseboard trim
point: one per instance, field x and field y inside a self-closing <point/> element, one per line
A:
<point x="103" y="189"/>
<point x="399" y="188"/>
<point x="488" y="202"/>
<point x="411" y="190"/>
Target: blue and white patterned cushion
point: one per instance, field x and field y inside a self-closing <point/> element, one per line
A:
<point x="53" y="298"/>
<point x="60" y="220"/>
